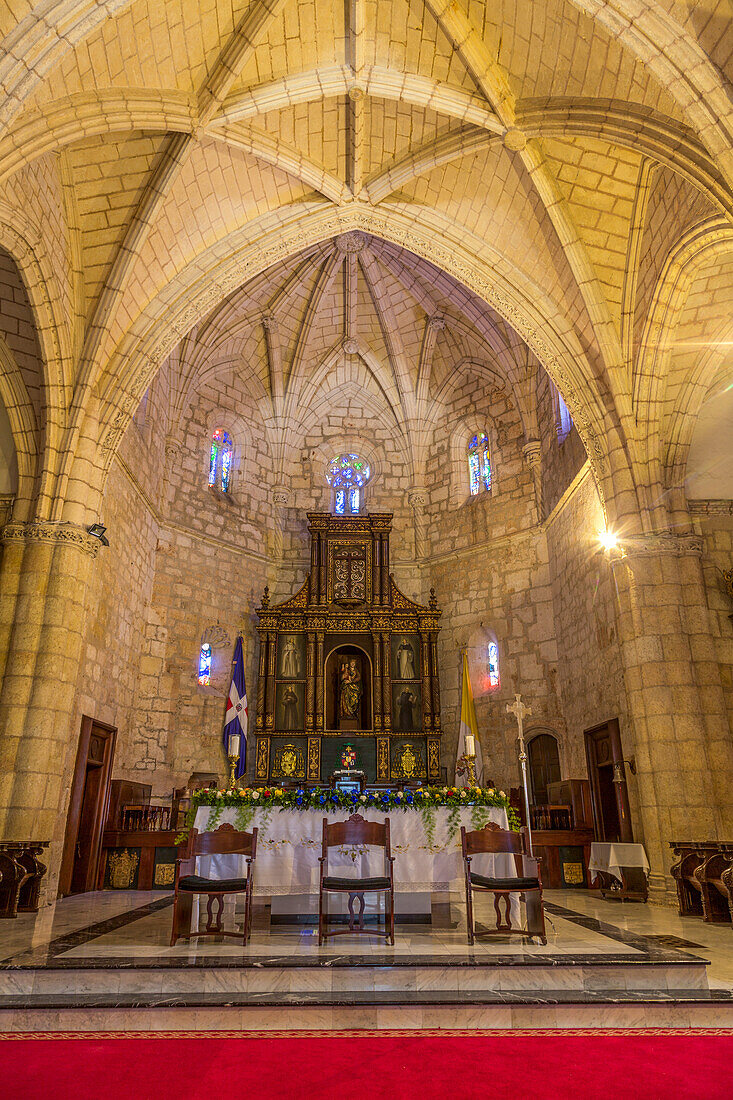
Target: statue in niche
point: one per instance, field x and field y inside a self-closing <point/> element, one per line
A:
<point x="350" y="689"/>
<point x="405" y="660"/>
<point x="405" y="713"/>
<point x="290" y="709"/>
<point x="290" y="659"/>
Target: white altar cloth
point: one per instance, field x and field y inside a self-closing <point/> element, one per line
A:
<point x="289" y="844"/>
<point x="611" y="857"/>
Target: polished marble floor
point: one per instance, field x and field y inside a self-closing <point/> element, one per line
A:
<point x="116" y="928"/>
<point x="91" y="956"/>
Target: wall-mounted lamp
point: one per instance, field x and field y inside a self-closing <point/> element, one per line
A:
<point x="618" y="769"/>
<point x="97" y="531"/>
<point x="608" y="539"/>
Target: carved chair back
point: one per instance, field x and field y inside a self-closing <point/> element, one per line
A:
<point x="355" y="831"/>
<point x="226" y="840"/>
<point x="492" y="838"/>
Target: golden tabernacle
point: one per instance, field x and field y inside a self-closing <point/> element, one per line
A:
<point x="348" y="669"/>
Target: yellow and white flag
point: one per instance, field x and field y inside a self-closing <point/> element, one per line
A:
<point x="468" y="728"/>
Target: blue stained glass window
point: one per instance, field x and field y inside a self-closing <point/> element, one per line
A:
<point x="479" y="464"/>
<point x="205" y="665"/>
<point x="493" y="665"/>
<point x="220" y="460"/>
<point x="347" y="475"/>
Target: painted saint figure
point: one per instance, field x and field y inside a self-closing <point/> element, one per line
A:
<point x="406" y="661"/>
<point x="290" y="660"/>
<point x="290" y="709"/>
<point x="405" y="702"/>
<point x="349" y="689"/>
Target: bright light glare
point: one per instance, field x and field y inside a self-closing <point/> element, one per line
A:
<point x="607" y="539"/>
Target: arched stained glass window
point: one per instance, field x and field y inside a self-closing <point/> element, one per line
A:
<point x="479" y="463"/>
<point x="220" y="461"/>
<point x="347" y="475"/>
<point x="205" y="665"/>
<point x="493" y="665"/>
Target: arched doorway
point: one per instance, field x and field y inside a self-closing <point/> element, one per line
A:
<point x="544" y="766"/>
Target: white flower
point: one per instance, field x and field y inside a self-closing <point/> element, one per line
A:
<point x="363" y="798"/>
<point x="255" y="794"/>
<point x="491" y="790"/>
<point x="219" y="794"/>
<point x="398" y="795"/>
<point x="501" y="794"/>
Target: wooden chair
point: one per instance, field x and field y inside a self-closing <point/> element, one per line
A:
<point x="224" y="841"/>
<point x="356" y="831"/>
<point x="492" y="838"/>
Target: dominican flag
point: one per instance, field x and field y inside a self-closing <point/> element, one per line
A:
<point x="236" y="719"/>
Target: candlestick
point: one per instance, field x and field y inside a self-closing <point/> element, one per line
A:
<point x="470" y="745"/>
<point x="233" y="758"/>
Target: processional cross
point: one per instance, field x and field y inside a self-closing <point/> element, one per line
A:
<point x="519" y="710"/>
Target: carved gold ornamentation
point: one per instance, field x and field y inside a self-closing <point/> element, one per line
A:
<point x="289" y="763"/>
<point x="408" y="763"/>
<point x="382" y="758"/>
<point x="573" y="873"/>
<point x="123" y="868"/>
<point x="263" y="757"/>
<point x="348" y="594"/>
<point x="165" y="874"/>
<point x="433" y="758"/>
<point x="314" y="758"/>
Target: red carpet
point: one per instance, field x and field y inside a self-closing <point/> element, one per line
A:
<point x="379" y="1066"/>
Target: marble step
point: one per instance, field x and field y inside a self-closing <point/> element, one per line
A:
<point x="323" y="980"/>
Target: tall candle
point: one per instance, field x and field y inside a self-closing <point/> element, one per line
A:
<point x="234" y="739"/>
<point x="470" y="745"/>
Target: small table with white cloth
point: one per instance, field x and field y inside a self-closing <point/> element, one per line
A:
<point x="619" y="870"/>
<point x="427" y="860"/>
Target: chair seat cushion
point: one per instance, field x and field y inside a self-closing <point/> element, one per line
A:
<point x="201" y="885"/>
<point x="505" y="883"/>
<point x="331" y="882"/>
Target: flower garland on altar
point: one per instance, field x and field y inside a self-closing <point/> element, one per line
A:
<point x="425" y="800"/>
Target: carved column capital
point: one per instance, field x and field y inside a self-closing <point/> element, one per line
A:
<point x="532" y="452"/>
<point x="281" y="495"/>
<point x="417" y="497"/>
<point x="666" y="543"/>
<point x="62" y="534"/>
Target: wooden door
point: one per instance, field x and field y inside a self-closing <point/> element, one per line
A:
<point x="611" y="817"/>
<point x="544" y="766"/>
<point x="87" y="807"/>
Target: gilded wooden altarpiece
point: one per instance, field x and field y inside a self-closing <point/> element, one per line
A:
<point x="348" y="666"/>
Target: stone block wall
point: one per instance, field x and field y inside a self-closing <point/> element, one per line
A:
<point x="714" y="521"/>
<point x="590" y="677"/>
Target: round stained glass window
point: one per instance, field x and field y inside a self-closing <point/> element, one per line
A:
<point x="347" y="472"/>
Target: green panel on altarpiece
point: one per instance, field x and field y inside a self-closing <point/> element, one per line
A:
<point x="365" y="752"/>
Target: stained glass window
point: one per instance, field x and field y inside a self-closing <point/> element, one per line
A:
<point x="205" y="665"/>
<point x="347" y="475"/>
<point x="220" y="461"/>
<point x="479" y="463"/>
<point x="564" y="419"/>
<point x="493" y="665"/>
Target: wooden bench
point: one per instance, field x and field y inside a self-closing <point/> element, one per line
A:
<point x="703" y="872"/>
<point x="21" y="872"/>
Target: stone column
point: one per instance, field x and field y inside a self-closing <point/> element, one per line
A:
<point x="417" y="499"/>
<point x="47" y="567"/>
<point x="532" y="452"/>
<point x="683" y="748"/>
<point x="280" y="501"/>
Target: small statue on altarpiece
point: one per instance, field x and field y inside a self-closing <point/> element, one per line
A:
<point x="350" y="689"/>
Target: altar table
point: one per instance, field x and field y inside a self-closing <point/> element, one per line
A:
<point x="620" y="870"/>
<point x="289" y="844"/>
